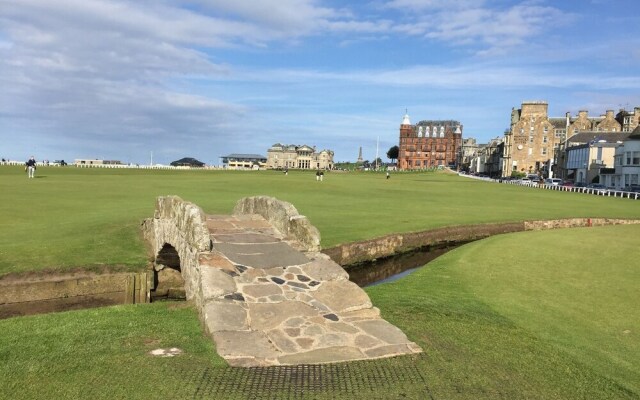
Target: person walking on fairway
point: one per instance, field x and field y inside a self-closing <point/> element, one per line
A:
<point x="31" y="167"/>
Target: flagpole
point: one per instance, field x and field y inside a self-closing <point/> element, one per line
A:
<point x="377" y="146"/>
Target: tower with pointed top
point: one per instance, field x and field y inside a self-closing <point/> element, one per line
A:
<point x="360" y="155"/>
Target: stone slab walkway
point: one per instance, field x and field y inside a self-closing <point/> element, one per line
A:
<point x="266" y="301"/>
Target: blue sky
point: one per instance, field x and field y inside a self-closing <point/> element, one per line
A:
<point x="205" y="78"/>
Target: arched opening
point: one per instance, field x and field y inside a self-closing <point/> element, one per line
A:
<point x="167" y="276"/>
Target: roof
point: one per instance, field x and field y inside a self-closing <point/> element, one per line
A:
<point x="589" y="136"/>
<point x="439" y="122"/>
<point x="187" y="161"/>
<point x="635" y="135"/>
<point x="558" y="123"/>
<point x="245" y="156"/>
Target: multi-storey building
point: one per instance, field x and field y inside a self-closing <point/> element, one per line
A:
<point x="587" y="154"/>
<point x="292" y="156"/>
<point x="468" y="150"/>
<point x="244" y="161"/>
<point x="626" y="173"/>
<point x="534" y="139"/>
<point x="429" y="144"/>
<point x="629" y="119"/>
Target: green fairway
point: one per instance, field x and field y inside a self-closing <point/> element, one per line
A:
<point x="540" y="314"/>
<point x="71" y="217"/>
<point x="532" y="315"/>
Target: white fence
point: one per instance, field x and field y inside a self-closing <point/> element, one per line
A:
<point x="599" y="192"/>
<point x="114" y="166"/>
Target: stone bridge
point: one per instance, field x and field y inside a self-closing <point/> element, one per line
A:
<point x="263" y="290"/>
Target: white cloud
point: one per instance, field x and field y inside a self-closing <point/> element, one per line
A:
<point x="97" y="73"/>
<point x="422" y="5"/>
<point x="291" y="16"/>
<point x="485" y="30"/>
<point x="487" y="76"/>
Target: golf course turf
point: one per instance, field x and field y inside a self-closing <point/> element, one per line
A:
<point x="548" y="315"/>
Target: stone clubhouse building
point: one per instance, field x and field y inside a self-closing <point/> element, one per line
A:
<point x="291" y="156"/>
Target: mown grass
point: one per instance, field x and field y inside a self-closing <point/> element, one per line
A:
<point x="528" y="315"/>
<point x="70" y="217"/>
<point x="533" y="315"/>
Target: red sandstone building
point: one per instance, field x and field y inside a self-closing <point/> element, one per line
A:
<point x="429" y="144"/>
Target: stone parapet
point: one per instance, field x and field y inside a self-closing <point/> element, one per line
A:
<point x="284" y="217"/>
<point x="364" y="251"/>
<point x="263" y="296"/>
<point x="576" y="223"/>
<point x="358" y="252"/>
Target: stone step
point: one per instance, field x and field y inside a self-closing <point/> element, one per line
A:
<point x="285" y="307"/>
<point x="264" y="292"/>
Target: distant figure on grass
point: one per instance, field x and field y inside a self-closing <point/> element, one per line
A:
<point x="388" y="176"/>
<point x="321" y="175"/>
<point x="31" y="167"/>
<point x="286" y="171"/>
<point x="318" y="175"/>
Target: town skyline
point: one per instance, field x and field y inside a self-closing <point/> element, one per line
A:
<point x="204" y="78"/>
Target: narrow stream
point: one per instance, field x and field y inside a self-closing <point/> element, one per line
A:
<point x="395" y="267"/>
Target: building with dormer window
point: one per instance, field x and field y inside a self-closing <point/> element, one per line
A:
<point x="429" y="144"/>
<point x="291" y="156"/>
<point x="536" y="141"/>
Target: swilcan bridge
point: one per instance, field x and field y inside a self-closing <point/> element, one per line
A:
<point x="264" y="291"/>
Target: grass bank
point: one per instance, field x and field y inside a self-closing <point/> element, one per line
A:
<point x="533" y="315"/>
<point x="71" y="217"/>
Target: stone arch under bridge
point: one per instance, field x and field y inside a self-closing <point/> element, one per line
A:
<point x="264" y="291"/>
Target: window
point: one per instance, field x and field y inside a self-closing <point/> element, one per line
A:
<point x="636" y="158"/>
<point x="530" y="151"/>
<point x="545" y="139"/>
<point x="530" y="139"/>
<point x="546" y="129"/>
<point x="522" y="131"/>
<point x="544" y="151"/>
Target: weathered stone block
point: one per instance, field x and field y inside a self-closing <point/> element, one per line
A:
<point x="342" y="296"/>
<point x="225" y="316"/>
<point x="389" y="351"/>
<point x="383" y="330"/>
<point x="262" y="290"/>
<point x="215" y="283"/>
<point x="265" y="317"/>
<point x="326" y="355"/>
<point x="325" y="270"/>
<point x="244" y="344"/>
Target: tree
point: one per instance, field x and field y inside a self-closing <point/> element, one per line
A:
<point x="377" y="163"/>
<point x="393" y="153"/>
